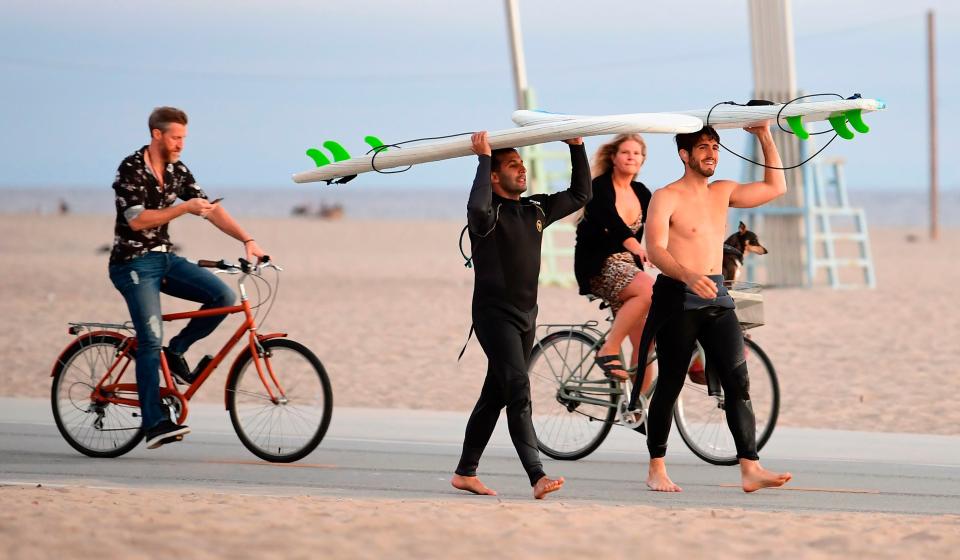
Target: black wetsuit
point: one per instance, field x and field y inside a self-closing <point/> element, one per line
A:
<point x="505" y="237"/>
<point x="678" y="319"/>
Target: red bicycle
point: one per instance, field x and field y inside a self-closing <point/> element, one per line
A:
<point x="277" y="392"/>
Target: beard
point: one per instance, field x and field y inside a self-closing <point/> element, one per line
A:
<point x="515" y="188"/>
<point x="168" y="156"/>
<point x="511" y="186"/>
<point x="695" y="165"/>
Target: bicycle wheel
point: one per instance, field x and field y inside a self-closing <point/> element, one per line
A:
<point x="94" y="427"/>
<point x="289" y="426"/>
<point x="701" y="419"/>
<point x="573" y="403"/>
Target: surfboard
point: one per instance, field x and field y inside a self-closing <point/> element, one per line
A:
<point x="838" y="112"/>
<point x="532" y="133"/>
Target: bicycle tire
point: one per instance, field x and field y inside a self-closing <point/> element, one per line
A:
<point x="94" y="429"/>
<point x="704" y="429"/>
<point x="568" y="430"/>
<point x="265" y="426"/>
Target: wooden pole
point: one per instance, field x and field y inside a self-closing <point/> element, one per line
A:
<point x="932" y="86"/>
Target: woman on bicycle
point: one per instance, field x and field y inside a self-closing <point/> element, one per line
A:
<point x="609" y="257"/>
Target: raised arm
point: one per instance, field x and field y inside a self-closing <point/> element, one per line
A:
<point x="580" y="190"/>
<point x="480" y="218"/>
<point x="774" y="183"/>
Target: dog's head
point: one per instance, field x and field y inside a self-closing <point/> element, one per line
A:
<point x="746" y="241"/>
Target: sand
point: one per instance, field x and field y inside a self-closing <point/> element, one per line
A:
<point x="386" y="307"/>
<point x="70" y="522"/>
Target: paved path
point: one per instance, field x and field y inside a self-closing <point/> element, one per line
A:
<point x="404" y="454"/>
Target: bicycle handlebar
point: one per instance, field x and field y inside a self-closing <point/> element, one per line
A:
<point x="245" y="266"/>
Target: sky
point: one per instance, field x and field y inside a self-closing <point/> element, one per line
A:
<point x="262" y="81"/>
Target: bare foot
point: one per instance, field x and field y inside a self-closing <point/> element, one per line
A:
<point x="471" y="484"/>
<point x="754" y="477"/>
<point x="657" y="479"/>
<point x="546" y="485"/>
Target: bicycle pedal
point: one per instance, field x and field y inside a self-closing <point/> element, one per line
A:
<point x="201" y="365"/>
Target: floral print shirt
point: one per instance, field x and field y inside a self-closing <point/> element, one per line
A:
<point x="137" y="189"/>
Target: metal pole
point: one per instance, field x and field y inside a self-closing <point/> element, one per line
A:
<point x="931" y="72"/>
<point x="516" y="48"/>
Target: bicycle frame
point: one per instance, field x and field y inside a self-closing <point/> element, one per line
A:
<point x="106" y="391"/>
<point x="584" y="390"/>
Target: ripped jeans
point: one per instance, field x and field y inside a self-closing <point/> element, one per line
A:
<point x="141" y="281"/>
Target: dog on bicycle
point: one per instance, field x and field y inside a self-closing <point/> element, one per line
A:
<point x="735" y="247"/>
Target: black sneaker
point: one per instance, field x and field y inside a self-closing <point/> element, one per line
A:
<point x="178" y="367"/>
<point x="165" y="432"/>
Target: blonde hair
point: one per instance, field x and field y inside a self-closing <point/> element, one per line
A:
<point x="603" y="159"/>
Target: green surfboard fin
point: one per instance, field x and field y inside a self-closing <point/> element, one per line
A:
<point x="339" y="153"/>
<point x="839" y="124"/>
<point x="796" y="125"/>
<point x="855" y="116"/>
<point x="375" y="143"/>
<point x="318" y="157"/>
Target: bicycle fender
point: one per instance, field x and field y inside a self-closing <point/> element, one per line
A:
<point x="80" y="339"/>
<point x="241" y="357"/>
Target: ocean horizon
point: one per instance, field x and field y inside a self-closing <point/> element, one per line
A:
<point x="884" y="207"/>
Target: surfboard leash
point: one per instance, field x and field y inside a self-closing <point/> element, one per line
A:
<point x="796" y="126"/>
<point x="383" y="147"/>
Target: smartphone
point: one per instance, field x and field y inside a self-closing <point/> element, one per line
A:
<point x="216" y="200"/>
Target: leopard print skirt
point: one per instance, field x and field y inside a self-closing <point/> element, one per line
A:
<point x="618" y="271"/>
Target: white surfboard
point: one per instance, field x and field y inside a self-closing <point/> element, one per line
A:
<point x="732" y="116"/>
<point x="533" y="133"/>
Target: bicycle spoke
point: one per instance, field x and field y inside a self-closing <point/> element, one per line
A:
<point x="95" y="429"/>
<point x="289" y="425"/>
<point x="560" y="377"/>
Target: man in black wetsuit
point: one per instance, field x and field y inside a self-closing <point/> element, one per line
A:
<point x="685" y="227"/>
<point x="505" y="235"/>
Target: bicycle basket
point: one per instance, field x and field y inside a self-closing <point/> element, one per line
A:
<point x="749" y="299"/>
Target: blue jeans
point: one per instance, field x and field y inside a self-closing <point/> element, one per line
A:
<point x="140" y="281"/>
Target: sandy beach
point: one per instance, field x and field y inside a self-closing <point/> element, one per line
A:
<point x="386" y="307"/>
<point x="54" y="522"/>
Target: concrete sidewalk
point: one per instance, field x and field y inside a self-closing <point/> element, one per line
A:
<point x="446" y="428"/>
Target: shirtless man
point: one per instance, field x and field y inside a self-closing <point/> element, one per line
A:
<point x="685" y="230"/>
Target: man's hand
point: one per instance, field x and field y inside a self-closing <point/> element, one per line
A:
<point x="760" y="130"/>
<point x="481" y="146"/>
<point x="701" y="285"/>
<point x="574" y="141"/>
<point x="199" y="206"/>
<point x="254" y="252"/>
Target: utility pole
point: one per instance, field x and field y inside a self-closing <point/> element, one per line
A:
<point x="932" y="87"/>
<point x="516" y="49"/>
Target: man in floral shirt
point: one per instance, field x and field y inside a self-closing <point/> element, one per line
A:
<point x="147" y="186"/>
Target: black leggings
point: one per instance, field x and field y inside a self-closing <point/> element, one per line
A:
<point x="719" y="333"/>
<point x="508" y="350"/>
